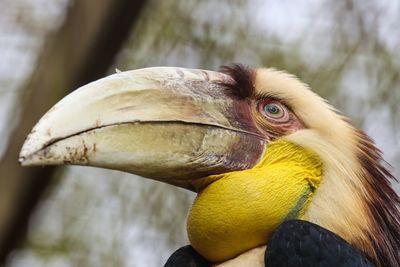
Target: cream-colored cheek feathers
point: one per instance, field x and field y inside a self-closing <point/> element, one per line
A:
<point x="338" y="205"/>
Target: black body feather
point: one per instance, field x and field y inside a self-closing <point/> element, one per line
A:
<point x="303" y="244"/>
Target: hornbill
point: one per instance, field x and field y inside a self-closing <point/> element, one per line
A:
<point x="282" y="178"/>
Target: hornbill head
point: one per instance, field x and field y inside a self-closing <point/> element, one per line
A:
<point x="257" y="146"/>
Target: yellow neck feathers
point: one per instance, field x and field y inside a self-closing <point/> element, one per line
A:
<point x="239" y="210"/>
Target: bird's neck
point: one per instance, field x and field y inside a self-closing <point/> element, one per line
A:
<point x="355" y="199"/>
<point x="253" y="257"/>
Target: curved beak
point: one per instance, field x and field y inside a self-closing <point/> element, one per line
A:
<point x="169" y="124"/>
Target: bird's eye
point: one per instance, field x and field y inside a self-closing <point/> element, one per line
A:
<point x="274" y="111"/>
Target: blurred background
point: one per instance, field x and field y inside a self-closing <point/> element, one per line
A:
<point x="348" y="51"/>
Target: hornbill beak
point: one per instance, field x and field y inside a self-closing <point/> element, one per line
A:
<point x="169" y="124"/>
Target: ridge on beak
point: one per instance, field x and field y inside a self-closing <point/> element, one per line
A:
<point x="170" y="124"/>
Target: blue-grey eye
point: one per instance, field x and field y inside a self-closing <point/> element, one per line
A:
<point x="273" y="110"/>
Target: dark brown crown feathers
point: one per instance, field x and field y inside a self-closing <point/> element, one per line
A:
<point x="242" y="84"/>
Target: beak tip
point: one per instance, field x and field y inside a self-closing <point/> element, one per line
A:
<point x="33" y="159"/>
<point x="23" y="162"/>
<point x="24" y="157"/>
<point x="28" y="151"/>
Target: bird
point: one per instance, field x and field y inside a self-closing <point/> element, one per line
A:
<point x="282" y="177"/>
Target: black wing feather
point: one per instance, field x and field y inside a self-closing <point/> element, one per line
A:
<point x="299" y="243"/>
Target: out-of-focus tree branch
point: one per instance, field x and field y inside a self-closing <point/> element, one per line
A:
<point x="79" y="52"/>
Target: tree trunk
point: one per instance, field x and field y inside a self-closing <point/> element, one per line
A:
<point x="79" y="52"/>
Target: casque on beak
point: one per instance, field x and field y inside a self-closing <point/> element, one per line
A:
<point x="165" y="123"/>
